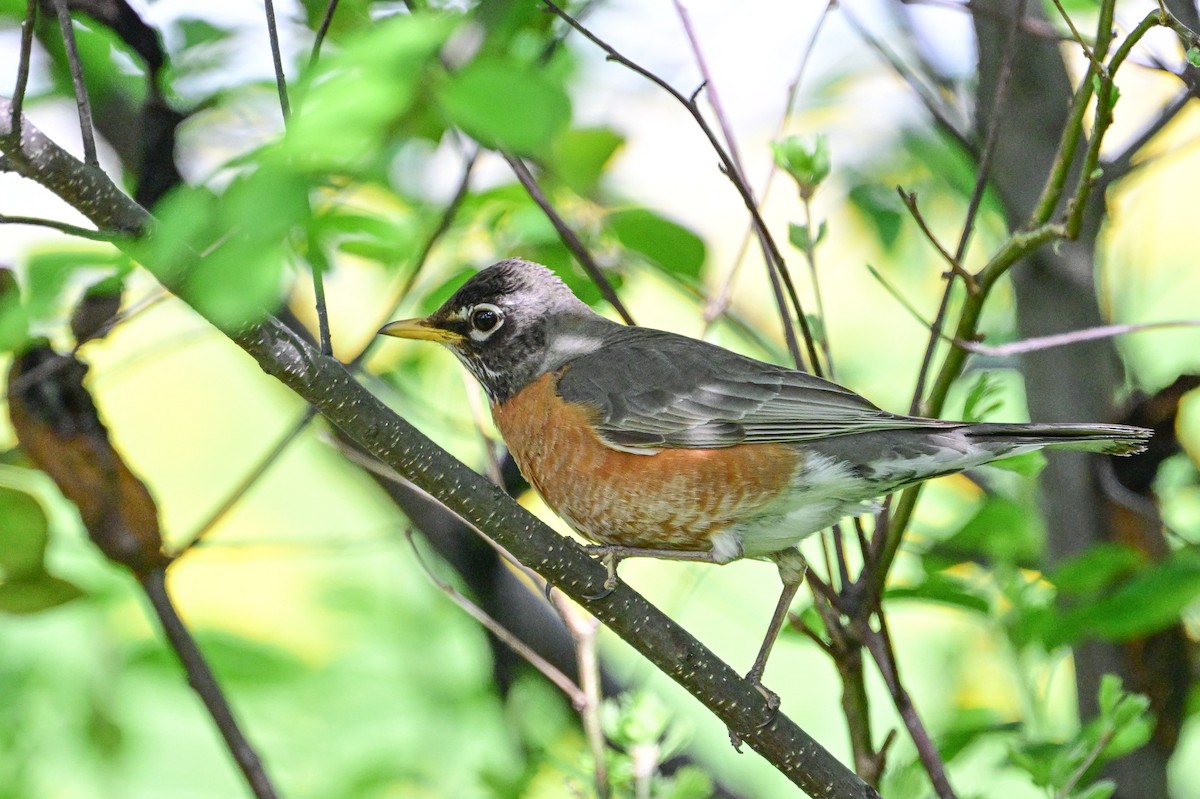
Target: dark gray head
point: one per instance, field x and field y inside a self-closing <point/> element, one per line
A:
<point x="509" y="325"/>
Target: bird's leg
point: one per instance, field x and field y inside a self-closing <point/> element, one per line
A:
<point x="611" y="555"/>
<point x="791" y="571"/>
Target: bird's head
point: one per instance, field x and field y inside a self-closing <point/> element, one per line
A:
<point x="509" y="324"/>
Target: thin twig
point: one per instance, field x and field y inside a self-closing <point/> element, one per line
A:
<point x="439" y="230"/>
<point x="1003" y="79"/>
<point x="1041" y="343"/>
<point x="322" y="31"/>
<point x="904" y="302"/>
<point x="775" y="259"/>
<point x="956" y="268"/>
<point x="62" y="227"/>
<point x="924" y="94"/>
<point x="18" y="98"/>
<point x="810" y="253"/>
<point x="1075" y="35"/>
<point x="443" y="224"/>
<point x="367" y="462"/>
<point x="1067" y="789"/>
<point x="717" y="305"/>
<point x="253" y="476"/>
<point x="568" y="236"/>
<point x="133" y="310"/>
<point x="1122" y="164"/>
<point x="1105" y="100"/>
<point x="710" y="89"/>
<point x="879" y="644"/>
<point x="737" y="173"/>
<point x="981" y="179"/>
<point x="82" y="102"/>
<point x="522" y="649"/>
<point x="201" y="678"/>
<point x="277" y="58"/>
<point x="316" y="258"/>
<point x="583" y="629"/>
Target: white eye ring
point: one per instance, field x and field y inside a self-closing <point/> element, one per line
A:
<point x="485" y="319"/>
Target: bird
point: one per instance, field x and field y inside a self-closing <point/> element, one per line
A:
<point x="653" y="444"/>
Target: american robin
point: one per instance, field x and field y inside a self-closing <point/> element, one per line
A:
<point x="654" y="444"/>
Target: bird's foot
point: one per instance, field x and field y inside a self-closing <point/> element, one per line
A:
<point x="610" y="558"/>
<point x="754" y="677"/>
<point x="773" y="703"/>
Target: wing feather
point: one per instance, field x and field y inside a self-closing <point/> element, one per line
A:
<point x="652" y="389"/>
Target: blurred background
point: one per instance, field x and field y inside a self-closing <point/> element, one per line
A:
<point x="352" y="672"/>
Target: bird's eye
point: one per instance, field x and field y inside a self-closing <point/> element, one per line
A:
<point x="484" y="320"/>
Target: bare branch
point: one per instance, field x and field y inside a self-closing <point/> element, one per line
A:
<point x="277" y="58"/>
<point x="879" y="644"/>
<point x="545" y="667"/>
<point x="18" y="99"/>
<point x="201" y="678"/>
<point x="61" y="227"/>
<point x="717" y="305"/>
<point x="568" y="236"/>
<point x="1041" y="343"/>
<point x="923" y="92"/>
<point x="253" y="476"/>
<point x="775" y="260"/>
<point x="81" y="96"/>
<point x="326" y="21"/>
<point x="583" y="629"/>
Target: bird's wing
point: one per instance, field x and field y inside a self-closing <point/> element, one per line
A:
<point x="656" y="390"/>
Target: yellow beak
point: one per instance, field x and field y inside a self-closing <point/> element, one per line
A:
<point x="419" y="329"/>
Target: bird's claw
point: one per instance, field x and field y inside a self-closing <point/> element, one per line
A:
<point x="772" y="698"/>
<point x="610" y="560"/>
<point x="773" y="703"/>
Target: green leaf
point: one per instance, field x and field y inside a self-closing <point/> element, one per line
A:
<point x="798" y="236"/>
<point x="1193" y="56"/>
<point x="1028" y="465"/>
<point x="1097" y="790"/>
<point x="1001" y="529"/>
<point x="667" y="244"/>
<point x="1148" y="602"/>
<point x="390" y="242"/>
<point x="943" y="589"/>
<point x="581" y="155"/>
<point x="14" y="322"/>
<point x="345" y="108"/>
<point x="187" y="225"/>
<point x="1037" y="760"/>
<point x="32" y="593"/>
<point x="240" y="282"/>
<point x="24" y="532"/>
<point x="805" y="159"/>
<point x="1109" y="694"/>
<point x="507" y="105"/>
<point x="49" y="272"/>
<point x="984" y="397"/>
<point x="266" y="203"/>
<point x="970" y="725"/>
<point x="199" y="31"/>
<point x="689" y="782"/>
<point x="1096" y="568"/>
<point x="881" y="209"/>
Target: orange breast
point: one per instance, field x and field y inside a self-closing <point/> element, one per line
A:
<point x="676" y="499"/>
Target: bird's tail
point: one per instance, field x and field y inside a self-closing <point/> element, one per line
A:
<point x="1109" y="439"/>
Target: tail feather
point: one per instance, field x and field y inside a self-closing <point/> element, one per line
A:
<point x="1109" y="439"/>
